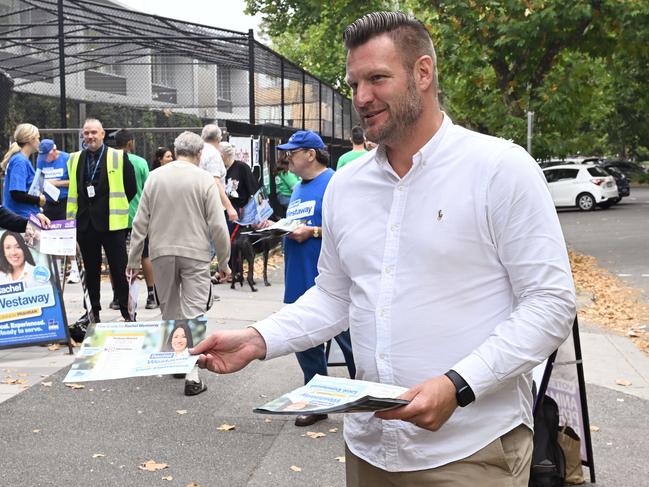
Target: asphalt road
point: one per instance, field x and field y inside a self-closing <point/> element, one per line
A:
<point x="97" y="436"/>
<point x="618" y="236"/>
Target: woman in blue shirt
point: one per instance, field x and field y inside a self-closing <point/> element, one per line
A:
<point x="19" y="173"/>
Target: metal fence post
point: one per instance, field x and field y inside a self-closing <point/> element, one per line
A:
<point x="303" y="97"/>
<point x="333" y="115"/>
<point x="282" y="101"/>
<point x="62" y="94"/>
<point x="320" y="107"/>
<point x="251" y="75"/>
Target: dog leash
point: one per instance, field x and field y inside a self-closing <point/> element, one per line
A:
<point x="234" y="233"/>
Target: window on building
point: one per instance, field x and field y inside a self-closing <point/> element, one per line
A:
<point x="162" y="71"/>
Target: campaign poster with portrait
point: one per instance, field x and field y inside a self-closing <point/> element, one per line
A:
<point x="31" y="311"/>
<point x="137" y="349"/>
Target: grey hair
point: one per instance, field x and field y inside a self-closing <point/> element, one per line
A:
<point x="93" y="120"/>
<point x="227" y="150"/>
<point x="211" y="133"/>
<point x="409" y="34"/>
<point x="188" y="144"/>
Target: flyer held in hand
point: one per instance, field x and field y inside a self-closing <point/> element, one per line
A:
<point x="126" y="349"/>
<point x="324" y="394"/>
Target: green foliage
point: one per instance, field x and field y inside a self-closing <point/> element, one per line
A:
<point x="581" y="66"/>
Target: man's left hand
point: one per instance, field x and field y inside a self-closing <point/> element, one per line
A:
<point x="431" y="404"/>
<point x="301" y="234"/>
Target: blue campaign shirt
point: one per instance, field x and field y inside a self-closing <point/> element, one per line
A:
<point x="18" y="177"/>
<point x="301" y="259"/>
<point x="56" y="170"/>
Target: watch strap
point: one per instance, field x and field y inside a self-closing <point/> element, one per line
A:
<point x="464" y="394"/>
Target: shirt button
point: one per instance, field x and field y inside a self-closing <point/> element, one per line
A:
<point x="393" y="228"/>
<point x="382" y="356"/>
<point x="388" y="270"/>
<point x="382" y="313"/>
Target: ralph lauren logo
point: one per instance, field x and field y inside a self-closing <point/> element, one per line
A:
<point x="440" y="215"/>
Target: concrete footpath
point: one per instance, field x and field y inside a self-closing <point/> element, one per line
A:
<point x="52" y="435"/>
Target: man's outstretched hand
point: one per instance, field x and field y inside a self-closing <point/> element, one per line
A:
<point x="228" y="351"/>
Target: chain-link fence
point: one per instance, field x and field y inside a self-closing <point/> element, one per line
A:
<point x="73" y="59"/>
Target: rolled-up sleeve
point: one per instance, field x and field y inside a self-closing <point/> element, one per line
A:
<point x="526" y="232"/>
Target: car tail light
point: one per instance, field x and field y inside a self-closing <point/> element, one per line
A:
<point x="597" y="181"/>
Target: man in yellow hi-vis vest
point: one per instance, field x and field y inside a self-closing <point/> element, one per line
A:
<point x="102" y="182"/>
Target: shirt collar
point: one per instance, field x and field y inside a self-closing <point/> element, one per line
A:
<point x="424" y="154"/>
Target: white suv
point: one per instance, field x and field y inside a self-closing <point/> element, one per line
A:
<point x="582" y="185"/>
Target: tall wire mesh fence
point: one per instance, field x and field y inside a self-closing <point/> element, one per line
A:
<point x="73" y="59"/>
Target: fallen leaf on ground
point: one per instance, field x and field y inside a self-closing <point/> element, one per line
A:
<point x="333" y="430"/>
<point x="152" y="466"/>
<point x="11" y="380"/>
<point x="54" y="347"/>
<point x="594" y="428"/>
<point x="631" y="334"/>
<point x="36" y="431"/>
<point x="98" y="455"/>
<point x="46" y="384"/>
<point x="23" y="374"/>
<point x="168" y="477"/>
<point x="180" y="412"/>
<point x="623" y="382"/>
<point x="340" y="459"/>
<point x="315" y="434"/>
<point x="619" y="399"/>
<point x="75" y="386"/>
<point x="193" y="484"/>
<point x="226" y="427"/>
<point x="296" y="469"/>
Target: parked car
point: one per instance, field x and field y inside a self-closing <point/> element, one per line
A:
<point x="585" y="186"/>
<point x="553" y="163"/>
<point x="622" y="182"/>
<point x="628" y="168"/>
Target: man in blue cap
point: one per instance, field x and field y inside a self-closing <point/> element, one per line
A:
<point x="308" y="159"/>
<point x="54" y="165"/>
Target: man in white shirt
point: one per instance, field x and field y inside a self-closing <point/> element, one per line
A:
<point x="443" y="252"/>
<point x="212" y="162"/>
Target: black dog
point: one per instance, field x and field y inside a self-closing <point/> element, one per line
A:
<point x="244" y="248"/>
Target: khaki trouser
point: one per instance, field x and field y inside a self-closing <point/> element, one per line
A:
<point x="183" y="286"/>
<point x="505" y="462"/>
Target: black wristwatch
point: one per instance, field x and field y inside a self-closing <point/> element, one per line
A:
<point x="464" y="394"/>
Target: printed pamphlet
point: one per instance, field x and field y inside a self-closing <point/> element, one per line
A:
<point x="127" y="349"/>
<point x="59" y="239"/>
<point x="257" y="210"/>
<point x="324" y="394"/>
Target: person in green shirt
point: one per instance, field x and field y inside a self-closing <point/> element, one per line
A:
<point x="124" y="140"/>
<point x="285" y="180"/>
<point x="358" y="143"/>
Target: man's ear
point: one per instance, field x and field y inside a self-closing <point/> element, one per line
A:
<point x="424" y="72"/>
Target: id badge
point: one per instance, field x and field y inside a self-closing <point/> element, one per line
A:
<point x="91" y="191"/>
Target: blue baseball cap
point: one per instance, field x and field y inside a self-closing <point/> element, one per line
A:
<point x="46" y="146"/>
<point x="303" y="139"/>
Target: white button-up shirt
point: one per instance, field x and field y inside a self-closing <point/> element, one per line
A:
<point x="459" y="264"/>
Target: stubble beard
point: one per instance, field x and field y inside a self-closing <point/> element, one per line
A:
<point x="404" y="113"/>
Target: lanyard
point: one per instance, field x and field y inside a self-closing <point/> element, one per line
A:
<point x="92" y="178"/>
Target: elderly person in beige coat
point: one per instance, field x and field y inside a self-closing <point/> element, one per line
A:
<point x="181" y="212"/>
